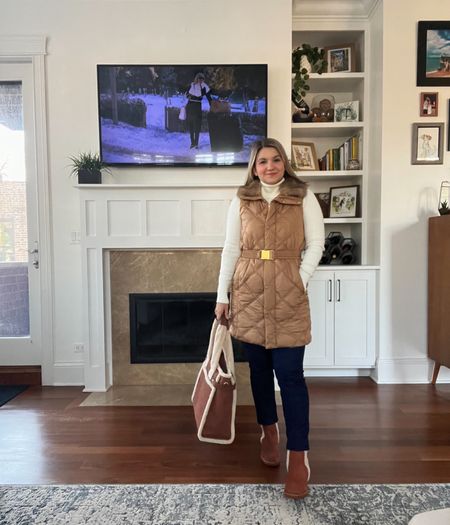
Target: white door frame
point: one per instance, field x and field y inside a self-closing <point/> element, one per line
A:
<point x="32" y="49"/>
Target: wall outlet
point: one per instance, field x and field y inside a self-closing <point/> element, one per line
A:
<point x="78" y="348"/>
<point x="75" y="237"/>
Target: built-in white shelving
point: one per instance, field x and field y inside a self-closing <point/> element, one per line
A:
<point x="342" y="296"/>
<point x="342" y="87"/>
<point x="328" y="175"/>
<point x="327" y="129"/>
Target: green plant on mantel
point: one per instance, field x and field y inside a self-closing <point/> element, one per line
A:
<point x="316" y="58"/>
<point x="88" y="167"/>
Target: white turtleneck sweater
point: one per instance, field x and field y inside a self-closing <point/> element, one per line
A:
<point x="313" y="229"/>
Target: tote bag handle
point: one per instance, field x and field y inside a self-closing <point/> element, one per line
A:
<point x="220" y="343"/>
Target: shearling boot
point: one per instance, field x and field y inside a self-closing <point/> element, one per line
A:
<point x="270" y="439"/>
<point x="298" y="474"/>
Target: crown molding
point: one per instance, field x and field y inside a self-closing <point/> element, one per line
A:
<point x="22" y="45"/>
<point x="333" y="9"/>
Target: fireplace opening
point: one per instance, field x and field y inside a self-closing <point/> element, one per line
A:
<point x="172" y="327"/>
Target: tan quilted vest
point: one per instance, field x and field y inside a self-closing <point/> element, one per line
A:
<point x="269" y="306"/>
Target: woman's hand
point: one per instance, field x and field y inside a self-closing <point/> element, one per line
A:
<point x="222" y="310"/>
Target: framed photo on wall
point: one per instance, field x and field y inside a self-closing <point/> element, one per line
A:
<point x="304" y="157"/>
<point x="427" y="143"/>
<point x="340" y="58"/>
<point x="433" y="53"/>
<point x="429" y="104"/>
<point x="344" y="201"/>
<point x="448" y="126"/>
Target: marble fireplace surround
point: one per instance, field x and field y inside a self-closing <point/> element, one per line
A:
<point x="157" y="271"/>
<point x="144" y="238"/>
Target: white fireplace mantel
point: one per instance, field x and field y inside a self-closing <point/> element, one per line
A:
<point x="137" y="216"/>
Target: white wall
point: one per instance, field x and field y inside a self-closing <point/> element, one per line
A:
<point x="83" y="33"/>
<point x="409" y="197"/>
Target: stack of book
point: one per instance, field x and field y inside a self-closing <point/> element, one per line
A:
<point x="338" y="158"/>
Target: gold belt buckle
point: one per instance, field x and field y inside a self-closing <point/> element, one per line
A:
<point x="266" y="255"/>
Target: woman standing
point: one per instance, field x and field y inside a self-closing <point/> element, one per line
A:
<point x="273" y="220"/>
<point x="195" y="94"/>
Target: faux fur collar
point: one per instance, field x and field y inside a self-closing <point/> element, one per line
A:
<point x="290" y="188"/>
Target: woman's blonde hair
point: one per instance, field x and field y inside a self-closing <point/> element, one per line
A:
<point x="267" y="143"/>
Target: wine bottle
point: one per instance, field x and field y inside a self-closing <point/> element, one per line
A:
<point x="348" y="257"/>
<point x="335" y="253"/>
<point x="348" y="244"/>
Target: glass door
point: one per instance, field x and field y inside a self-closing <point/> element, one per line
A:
<point x="19" y="244"/>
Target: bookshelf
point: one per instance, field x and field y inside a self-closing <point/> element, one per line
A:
<point x="329" y="137"/>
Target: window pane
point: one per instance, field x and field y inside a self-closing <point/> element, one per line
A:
<point x="14" y="304"/>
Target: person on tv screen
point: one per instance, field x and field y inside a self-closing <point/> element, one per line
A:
<point x="195" y="94"/>
<point x="274" y="242"/>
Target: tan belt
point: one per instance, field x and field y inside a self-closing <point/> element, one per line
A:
<point x="270" y="255"/>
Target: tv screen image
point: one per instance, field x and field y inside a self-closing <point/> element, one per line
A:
<point x="181" y="115"/>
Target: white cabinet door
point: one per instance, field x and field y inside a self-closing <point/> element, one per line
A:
<point x="320" y="292"/>
<point x="354" y="318"/>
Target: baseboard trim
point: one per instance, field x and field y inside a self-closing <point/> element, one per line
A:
<point x="337" y="372"/>
<point x="68" y="374"/>
<point x="407" y="371"/>
<point x="21" y="375"/>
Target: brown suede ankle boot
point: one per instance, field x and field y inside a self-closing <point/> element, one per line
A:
<point x="270" y="439"/>
<point x="298" y="474"/>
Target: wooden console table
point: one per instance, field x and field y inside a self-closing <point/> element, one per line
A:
<point x="439" y="292"/>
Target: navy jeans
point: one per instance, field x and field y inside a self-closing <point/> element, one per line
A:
<point x="288" y="366"/>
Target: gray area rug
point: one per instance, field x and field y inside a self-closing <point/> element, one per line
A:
<point x="217" y="504"/>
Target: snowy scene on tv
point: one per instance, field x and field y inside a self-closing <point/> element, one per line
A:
<point x="181" y="115"/>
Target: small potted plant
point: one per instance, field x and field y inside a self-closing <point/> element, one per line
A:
<point x="88" y="167"/>
<point x="443" y="208"/>
<point x="305" y="60"/>
<point x="444" y="196"/>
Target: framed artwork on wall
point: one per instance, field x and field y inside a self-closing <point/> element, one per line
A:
<point x="433" y="53"/>
<point x="427" y="143"/>
<point x="304" y="157"/>
<point x="429" y="104"/>
<point x="340" y="58"/>
<point x="344" y="201"/>
<point x="448" y="125"/>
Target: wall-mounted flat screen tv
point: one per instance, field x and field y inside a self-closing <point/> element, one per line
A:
<point x="181" y="115"/>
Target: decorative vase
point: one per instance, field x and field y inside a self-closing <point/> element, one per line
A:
<point x="305" y="64"/>
<point x="353" y="164"/>
<point x="322" y="109"/>
<point x="89" y="177"/>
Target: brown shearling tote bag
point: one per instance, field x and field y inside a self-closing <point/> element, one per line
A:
<point x="214" y="395"/>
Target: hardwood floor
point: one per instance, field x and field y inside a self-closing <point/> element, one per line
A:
<point x="360" y="433"/>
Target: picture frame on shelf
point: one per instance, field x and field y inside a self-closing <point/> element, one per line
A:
<point x="304" y="157"/>
<point x="346" y="111"/>
<point x="427" y="143"/>
<point x="344" y="202"/>
<point x="324" y="201"/>
<point x="433" y="53"/>
<point x="340" y="58"/>
<point x="429" y="104"/>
